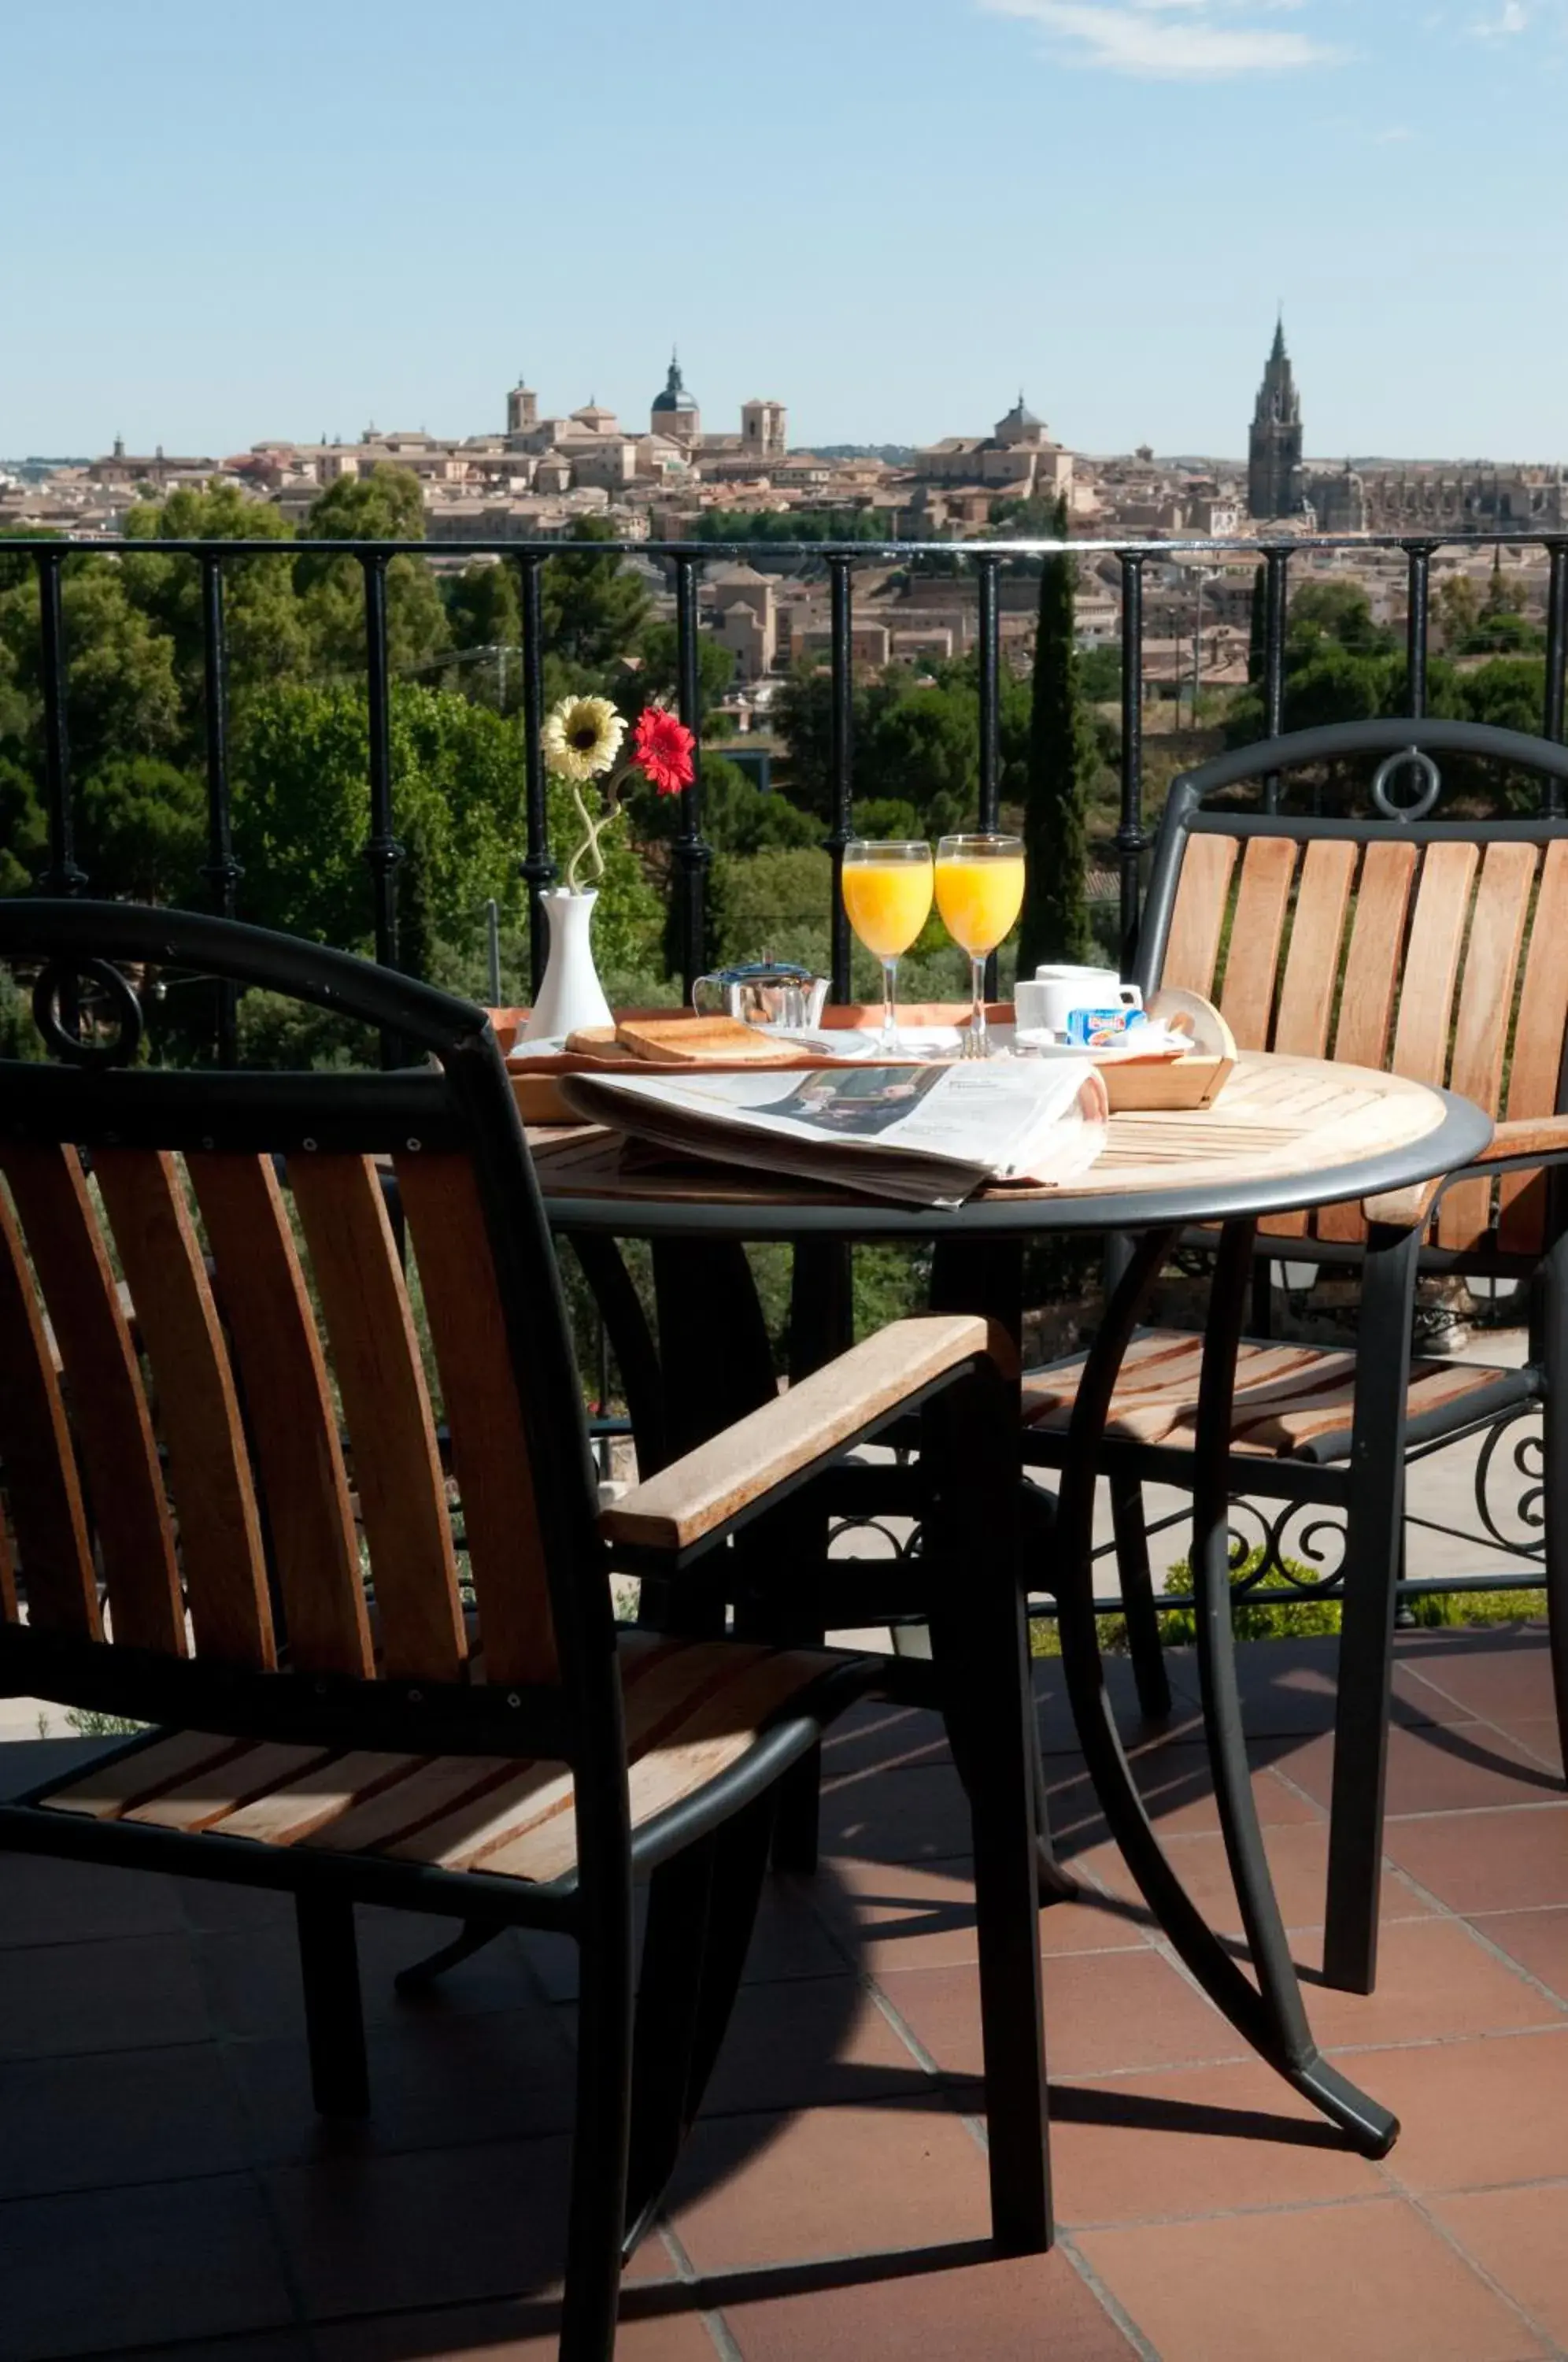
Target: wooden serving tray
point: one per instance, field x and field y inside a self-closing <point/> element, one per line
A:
<point x="1193" y="1081"/>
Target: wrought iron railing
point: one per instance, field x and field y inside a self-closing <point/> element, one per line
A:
<point x="685" y="562"/>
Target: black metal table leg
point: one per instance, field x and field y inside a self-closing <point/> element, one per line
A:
<point x="986" y="1276"/>
<point x="1373" y="1530"/>
<point x="1269" y="2014"/>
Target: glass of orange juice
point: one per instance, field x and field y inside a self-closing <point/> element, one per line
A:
<point x="979" y="892"/>
<point x="887" y="895"/>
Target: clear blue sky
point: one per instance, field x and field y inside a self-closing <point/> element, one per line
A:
<point x="304" y="216"/>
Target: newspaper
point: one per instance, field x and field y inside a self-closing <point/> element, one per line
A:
<point x="923" y="1135"/>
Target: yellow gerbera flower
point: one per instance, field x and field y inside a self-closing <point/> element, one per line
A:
<point x="582" y="737"/>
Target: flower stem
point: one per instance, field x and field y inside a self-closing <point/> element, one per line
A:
<point x="589" y="849"/>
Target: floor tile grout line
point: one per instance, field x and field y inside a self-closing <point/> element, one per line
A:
<point x="234" y="2083"/>
<point x="1498" y="2288"/>
<point x="1107" y="2298"/>
<point x="1412" y="1664"/>
<point x="725" y="2344"/>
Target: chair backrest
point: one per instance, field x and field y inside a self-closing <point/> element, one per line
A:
<point x="232" y="1422"/>
<point x="1435" y="947"/>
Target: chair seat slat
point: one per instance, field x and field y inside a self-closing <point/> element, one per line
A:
<point x="289" y="1412"/>
<point x="198" y="1410"/>
<point x="109" y="1412"/>
<point x="38" y="1460"/>
<point x="386" y="1406"/>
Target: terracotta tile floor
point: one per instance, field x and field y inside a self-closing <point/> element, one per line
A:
<point x="166" y="2189"/>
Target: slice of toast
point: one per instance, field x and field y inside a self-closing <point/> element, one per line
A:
<point x="703" y="1041"/>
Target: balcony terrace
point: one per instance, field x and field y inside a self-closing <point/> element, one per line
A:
<point x="168" y="2189"/>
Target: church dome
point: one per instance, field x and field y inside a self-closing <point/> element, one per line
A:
<point x="674" y="396"/>
<point x="1019" y="424"/>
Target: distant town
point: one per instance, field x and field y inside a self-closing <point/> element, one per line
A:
<point x="672" y="478"/>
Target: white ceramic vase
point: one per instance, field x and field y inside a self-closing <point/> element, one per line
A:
<point x="570" y="995"/>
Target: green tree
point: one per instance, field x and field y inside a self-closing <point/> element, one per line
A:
<point x="24" y="836"/>
<point x="301" y="805"/>
<point x="650" y="675"/>
<point x="484" y="606"/>
<point x="1335" y="612"/>
<point x="122" y="697"/>
<point x="384" y="504"/>
<point x="1458" y="608"/>
<point x="594" y="608"/>
<point x="142" y="830"/>
<point x="1055" y="917"/>
<point x="264" y="631"/>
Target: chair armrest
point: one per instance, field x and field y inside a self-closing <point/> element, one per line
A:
<point x="697" y="1497"/>
<point x="1528" y="1136"/>
<point x="1522" y="1139"/>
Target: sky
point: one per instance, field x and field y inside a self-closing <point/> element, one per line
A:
<point x="230" y="221"/>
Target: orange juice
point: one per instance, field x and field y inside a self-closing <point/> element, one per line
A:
<point x="888" y="903"/>
<point x="979" y="900"/>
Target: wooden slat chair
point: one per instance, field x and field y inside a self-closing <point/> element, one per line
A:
<point x="362" y="1715"/>
<point x="1436" y="948"/>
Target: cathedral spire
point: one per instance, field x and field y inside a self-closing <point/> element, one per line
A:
<point x="1274" y="455"/>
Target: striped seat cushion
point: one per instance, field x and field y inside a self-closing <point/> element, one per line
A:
<point x="1292" y="1401"/>
<point x="693" y="1709"/>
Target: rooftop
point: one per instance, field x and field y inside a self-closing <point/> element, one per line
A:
<point x="168" y="2190"/>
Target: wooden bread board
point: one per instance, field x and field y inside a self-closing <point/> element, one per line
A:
<point x="1193" y="1081"/>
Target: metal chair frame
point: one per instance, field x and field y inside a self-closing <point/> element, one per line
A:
<point x="1365" y="1475"/>
<point x="706" y="1855"/>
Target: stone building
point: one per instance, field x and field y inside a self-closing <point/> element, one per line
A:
<point x="1274" y="452"/>
<point x="522" y="410"/>
<point x="763" y="430"/>
<point x="1444" y="496"/>
<point x="1017" y="458"/>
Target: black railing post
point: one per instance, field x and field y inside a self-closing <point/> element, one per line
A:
<point x="1275" y="603"/>
<point x="990" y="718"/>
<point x="382" y="851"/>
<point x="1419" y="560"/>
<point x="1556" y="655"/>
<point x="1129" y="838"/>
<point x="536" y="869"/>
<point x="842" y="761"/>
<point x="220" y="870"/>
<point x="692" y="854"/>
<point x="63" y="875"/>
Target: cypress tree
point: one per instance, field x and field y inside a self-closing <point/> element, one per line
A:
<point x="1056" y="916"/>
<point x="414" y="933"/>
<point x="1257" y="635"/>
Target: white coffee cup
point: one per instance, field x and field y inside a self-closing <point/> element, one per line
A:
<point x="1044" y="1003"/>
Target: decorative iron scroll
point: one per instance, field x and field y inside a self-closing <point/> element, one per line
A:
<point x="1513" y="1488"/>
<point x="904" y="1550"/>
<point x="1408" y="759"/>
<point x="56" y="990"/>
<point x="1308" y="1562"/>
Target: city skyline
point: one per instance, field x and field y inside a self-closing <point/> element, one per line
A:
<point x="937" y="201"/>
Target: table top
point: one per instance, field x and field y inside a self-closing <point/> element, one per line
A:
<point x="1285" y="1133"/>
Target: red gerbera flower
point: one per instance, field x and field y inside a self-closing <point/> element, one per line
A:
<point x="662" y="749"/>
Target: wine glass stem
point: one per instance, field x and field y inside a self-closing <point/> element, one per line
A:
<point x="889" y="1013"/>
<point x="978" y="1011"/>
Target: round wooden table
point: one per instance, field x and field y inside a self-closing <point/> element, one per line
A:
<point x="1286" y="1133"/>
